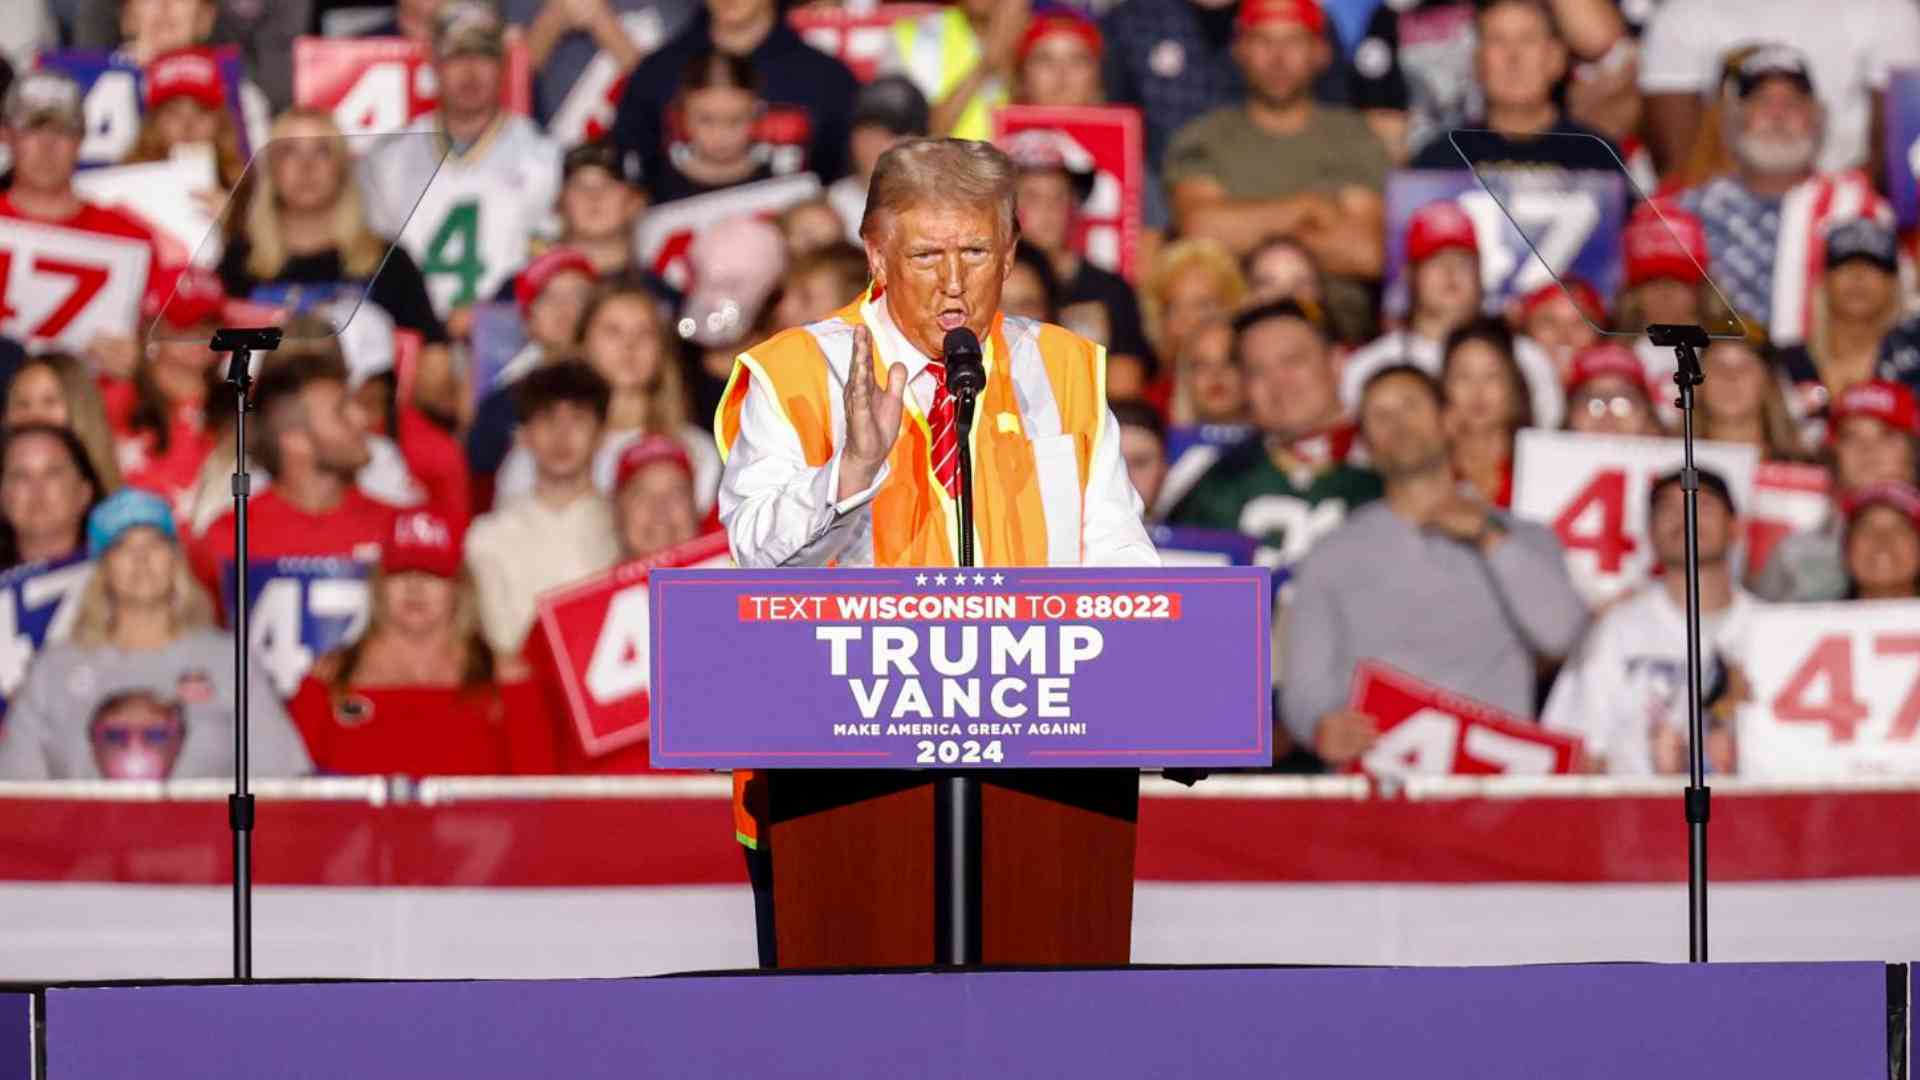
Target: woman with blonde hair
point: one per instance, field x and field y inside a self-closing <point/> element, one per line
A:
<point x="56" y="389"/>
<point x="187" y="106"/>
<point x="144" y="635"/>
<point x="1742" y="400"/>
<point x="1855" y="304"/>
<point x="1192" y="282"/>
<point x="306" y="236"/>
<point x="418" y="693"/>
<point x="625" y="338"/>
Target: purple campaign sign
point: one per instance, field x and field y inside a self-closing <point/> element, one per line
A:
<point x="1903" y="145"/>
<point x="1014" y="668"/>
<point x="16" y="1036"/>
<point x="1644" y="1021"/>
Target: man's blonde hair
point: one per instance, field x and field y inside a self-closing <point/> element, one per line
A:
<point x="940" y="171"/>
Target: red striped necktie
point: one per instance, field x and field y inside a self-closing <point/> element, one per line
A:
<point x="946" y="440"/>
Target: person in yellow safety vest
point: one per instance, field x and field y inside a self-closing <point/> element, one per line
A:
<point x="962" y="57"/>
<point x="840" y="439"/>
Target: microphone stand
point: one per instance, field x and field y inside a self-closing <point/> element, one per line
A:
<point x="957" y="794"/>
<point x="242" y="344"/>
<point x="1684" y="341"/>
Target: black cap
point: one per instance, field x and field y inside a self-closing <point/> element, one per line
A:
<point x="1710" y="481"/>
<point x="602" y="155"/>
<point x="894" y="103"/>
<point x="1863" y="238"/>
<point x="1771" y="61"/>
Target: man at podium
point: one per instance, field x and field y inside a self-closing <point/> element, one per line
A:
<point x="841" y="447"/>
<point x="840" y="438"/>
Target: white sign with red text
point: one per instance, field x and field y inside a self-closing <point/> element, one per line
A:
<point x="1106" y="141"/>
<point x="1788" y="497"/>
<point x="860" y="36"/>
<point x="1592" y="491"/>
<point x="1429" y="731"/>
<point x="176" y="198"/>
<point x="1835" y="691"/>
<point x="377" y="85"/>
<point x="63" y="286"/>
<point x="587" y="113"/>
<point x="666" y="232"/>
<point x="599" y="633"/>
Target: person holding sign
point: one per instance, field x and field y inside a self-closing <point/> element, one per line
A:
<point x="1625" y="693"/>
<point x="143" y="627"/>
<point x="1874" y="439"/>
<point x="72" y="274"/>
<point x="1428" y="580"/>
<point x="416" y="694"/>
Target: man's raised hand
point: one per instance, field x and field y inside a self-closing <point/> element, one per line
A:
<point x="873" y="417"/>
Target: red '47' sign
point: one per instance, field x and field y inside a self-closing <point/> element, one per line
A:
<point x="377" y="85"/>
<point x="1103" y="139"/>
<point x="1428" y="731"/>
<point x="1592" y="491"/>
<point x="1835" y="690"/>
<point x="599" y="633"/>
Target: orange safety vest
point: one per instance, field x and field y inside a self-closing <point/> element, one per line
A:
<point x="1035" y="428"/>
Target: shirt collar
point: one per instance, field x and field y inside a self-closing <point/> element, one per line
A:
<point x="893" y="346"/>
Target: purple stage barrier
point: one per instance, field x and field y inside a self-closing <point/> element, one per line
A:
<point x="1650" y="1022"/>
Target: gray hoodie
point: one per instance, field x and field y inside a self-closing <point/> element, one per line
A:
<point x="93" y="712"/>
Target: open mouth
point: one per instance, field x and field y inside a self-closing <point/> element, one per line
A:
<point x="952" y="319"/>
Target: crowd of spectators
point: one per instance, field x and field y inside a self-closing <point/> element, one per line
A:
<point x="1293" y="355"/>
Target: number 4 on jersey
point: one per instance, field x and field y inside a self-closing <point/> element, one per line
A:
<point x="455" y="251"/>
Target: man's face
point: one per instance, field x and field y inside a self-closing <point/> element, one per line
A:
<point x="1044" y="199"/>
<point x="942" y="266"/>
<point x="1146" y="461"/>
<point x="41" y="490"/>
<point x="1280" y="61"/>
<point x="1558" y="327"/>
<point x="554" y="315"/>
<point x="1288" y="377"/>
<point x="1060" y="70"/>
<point x="1219" y="393"/>
<point x="1446" y="286"/>
<point x="1866" y="451"/>
<point x="1778" y="130"/>
<point x="720" y="124"/>
<point x="470" y="84"/>
<point x="1667" y="525"/>
<point x="43" y="158"/>
<point x="157" y="26"/>
<point x="137" y="739"/>
<point x="655" y="510"/>
<point x="1518" y="58"/>
<point x="596" y="205"/>
<point x="1883" y="550"/>
<point x="139" y="568"/>
<point x="335" y="428"/>
<point x="1669" y="300"/>
<point x="1400" y="421"/>
<point x="561" y="438"/>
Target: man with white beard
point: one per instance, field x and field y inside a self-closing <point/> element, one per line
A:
<point x="1765" y="219"/>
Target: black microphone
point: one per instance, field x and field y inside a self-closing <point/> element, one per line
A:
<point x="966" y="371"/>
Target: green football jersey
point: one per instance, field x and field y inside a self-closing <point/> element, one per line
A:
<point x="1246" y="492"/>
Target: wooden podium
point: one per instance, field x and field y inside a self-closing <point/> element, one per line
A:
<point x="853" y="866"/>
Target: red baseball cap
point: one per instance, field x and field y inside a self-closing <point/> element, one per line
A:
<point x="648" y="450"/>
<point x="1584" y="296"/>
<point x="1901" y="497"/>
<point x="1439" y="225"/>
<point x="1304" y="13"/>
<point x="422" y="542"/>
<point x="191" y="73"/>
<point x="540" y="272"/>
<point x="1607" y="358"/>
<point x="1891" y="403"/>
<point x="185" y="297"/>
<point x="1669" y="244"/>
<point x="1046" y="24"/>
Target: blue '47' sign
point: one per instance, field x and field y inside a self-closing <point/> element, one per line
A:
<point x="38" y="603"/>
<point x="299" y="609"/>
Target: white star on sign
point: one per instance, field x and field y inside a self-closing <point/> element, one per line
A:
<point x="979" y="579"/>
<point x="959" y="580"/>
<point x="919" y="579"/>
<point x="939" y="579"/>
<point x="999" y="579"/>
